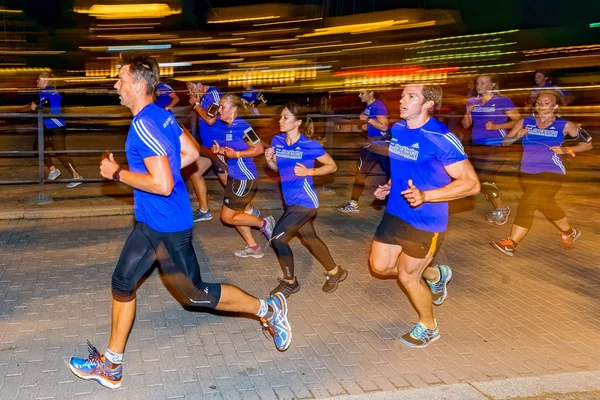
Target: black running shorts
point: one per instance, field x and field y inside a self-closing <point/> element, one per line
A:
<point x="239" y="193"/>
<point x="415" y="242"/>
<point x="219" y="164"/>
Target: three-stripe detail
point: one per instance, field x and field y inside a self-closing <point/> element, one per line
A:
<point x="148" y="139"/>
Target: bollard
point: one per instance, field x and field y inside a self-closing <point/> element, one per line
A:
<point x="41" y="198"/>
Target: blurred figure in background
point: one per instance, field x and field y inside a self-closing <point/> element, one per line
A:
<point x="472" y="91"/>
<point x="542" y="171"/>
<point x="205" y="102"/>
<point x="375" y="118"/>
<point x="240" y="145"/>
<point x="55" y="132"/>
<point x="543" y="81"/>
<point x="252" y="99"/>
<point x="166" y="98"/>
<point x="491" y="115"/>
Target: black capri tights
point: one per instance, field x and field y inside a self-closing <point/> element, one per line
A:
<point x="178" y="264"/>
<point x="538" y="194"/>
<point x="298" y="221"/>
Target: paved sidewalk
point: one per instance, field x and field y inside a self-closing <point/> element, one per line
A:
<point x="528" y="317"/>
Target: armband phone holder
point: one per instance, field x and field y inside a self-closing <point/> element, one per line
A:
<point x="584" y="135"/>
<point x="212" y="111"/>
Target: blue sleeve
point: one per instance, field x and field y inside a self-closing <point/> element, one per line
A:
<point x="210" y="97"/>
<point x="165" y="89"/>
<point x="149" y="140"/>
<point x="507" y="104"/>
<point x="449" y="149"/>
<point x="379" y="110"/>
<point x="315" y="149"/>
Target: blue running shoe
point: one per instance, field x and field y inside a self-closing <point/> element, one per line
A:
<point x="94" y="368"/>
<point x="420" y="336"/>
<point x="439" y="289"/>
<point x="278" y="325"/>
<point x="199" y="215"/>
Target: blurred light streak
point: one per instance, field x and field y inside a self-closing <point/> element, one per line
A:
<point x="308" y="54"/>
<point x="565" y="49"/>
<point x="178" y="39"/>
<point x="139" y="47"/>
<point x="130" y="24"/>
<point x="468" y="36"/>
<point x="226" y="21"/>
<point x="295" y="49"/>
<point x="289" y="22"/>
<point x="258" y="53"/>
<point x="379" y="70"/>
<point x="128" y="11"/>
<point x="354" y="28"/>
<point x="175" y="64"/>
<point x="8" y="11"/>
<point x="374" y="48"/>
<point x="202" y="51"/>
<point x="407" y="26"/>
<point x="210" y="40"/>
<point x="492" y="53"/>
<point x="595" y="25"/>
<point x="17" y="70"/>
<point x="141" y="36"/>
<point x="265" y="32"/>
<point x="270" y="63"/>
<point x="217" y="61"/>
<point x="467" y="47"/>
<point x="304" y="44"/>
<point x="454" y="43"/>
<point x="266" y="41"/>
<point x="121" y="28"/>
<point x="36" y="52"/>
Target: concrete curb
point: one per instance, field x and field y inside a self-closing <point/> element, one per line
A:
<point x="572" y="382"/>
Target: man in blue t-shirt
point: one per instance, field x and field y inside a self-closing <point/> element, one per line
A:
<point x="429" y="168"/>
<point x="156" y="149"/>
<point x="375" y="118"/>
<point x="166" y="97"/>
<point x="252" y="99"/>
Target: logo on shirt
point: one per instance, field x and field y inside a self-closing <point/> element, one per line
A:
<point x="226" y="201"/>
<point x="548" y="132"/>
<point x="292" y="154"/>
<point x="415" y="146"/>
<point x="169" y="121"/>
<point x="229" y="137"/>
<point x="491" y="109"/>
<point x="404" y="151"/>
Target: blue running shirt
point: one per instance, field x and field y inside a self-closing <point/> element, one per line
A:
<point x="297" y="190"/>
<point x="537" y="157"/>
<point x="209" y="133"/>
<point x="373" y="110"/>
<point x="53" y="97"/>
<point x="163" y="92"/>
<point x="234" y="138"/>
<point x="154" y="132"/>
<point x="495" y="111"/>
<point x="421" y="155"/>
<point x="252" y="97"/>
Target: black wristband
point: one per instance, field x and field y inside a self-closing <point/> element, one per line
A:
<point x="116" y="176"/>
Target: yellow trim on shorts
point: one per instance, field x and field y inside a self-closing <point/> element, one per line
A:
<point x="433" y="245"/>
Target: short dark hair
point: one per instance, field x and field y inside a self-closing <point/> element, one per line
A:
<point x="143" y="68"/>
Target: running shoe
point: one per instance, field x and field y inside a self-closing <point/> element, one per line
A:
<point x="268" y="226"/>
<point x="567" y="240"/>
<point x="287" y="289"/>
<point x="420" y="336"/>
<point x="491" y="217"/>
<point x="506" y="246"/>
<point x="439" y="288"/>
<point x="250" y="252"/>
<point x="95" y="368"/>
<point x="200" y="215"/>
<point x="499" y="216"/>
<point x="332" y="281"/>
<point x="278" y="325"/>
<point x="72" y="185"/>
<point x="348" y="208"/>
<point x="54" y="174"/>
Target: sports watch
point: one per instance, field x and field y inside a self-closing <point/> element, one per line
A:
<point x="116" y="176"/>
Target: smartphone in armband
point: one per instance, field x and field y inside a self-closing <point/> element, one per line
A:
<point x="260" y="97"/>
<point x="212" y="110"/>
<point x="584" y="135"/>
<point x="251" y="136"/>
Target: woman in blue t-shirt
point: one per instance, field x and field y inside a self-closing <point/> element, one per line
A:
<point x="491" y="115"/>
<point x="542" y="170"/>
<point x="240" y="144"/>
<point x="293" y="154"/>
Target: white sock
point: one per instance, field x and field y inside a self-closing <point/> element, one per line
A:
<point x="250" y="211"/>
<point x="353" y="202"/>
<point x="264" y="308"/>
<point x="113" y="357"/>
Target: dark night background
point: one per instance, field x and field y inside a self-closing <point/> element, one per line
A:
<point x="478" y="15"/>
